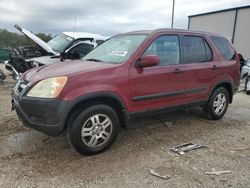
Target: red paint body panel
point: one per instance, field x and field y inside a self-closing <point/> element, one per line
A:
<point x="129" y="82"/>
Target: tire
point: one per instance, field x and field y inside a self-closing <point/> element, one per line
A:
<point x="219" y="97"/>
<point x="94" y="129"/>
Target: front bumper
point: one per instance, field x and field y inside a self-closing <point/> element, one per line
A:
<point x="44" y="115"/>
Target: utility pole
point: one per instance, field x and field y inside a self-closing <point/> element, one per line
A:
<point x="172" y="23"/>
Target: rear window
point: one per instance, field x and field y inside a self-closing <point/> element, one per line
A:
<point x="196" y="50"/>
<point x="224" y="47"/>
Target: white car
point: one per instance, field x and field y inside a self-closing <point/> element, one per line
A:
<point x="245" y="69"/>
<point x="245" y="73"/>
<point x="67" y="45"/>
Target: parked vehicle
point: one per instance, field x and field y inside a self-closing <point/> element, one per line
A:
<point x="65" y="46"/>
<point x="245" y="74"/>
<point x="16" y="64"/>
<point x="245" y="69"/>
<point x="130" y="75"/>
<point x="242" y="61"/>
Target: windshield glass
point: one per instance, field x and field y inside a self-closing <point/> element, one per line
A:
<point x="116" y="50"/>
<point x="59" y="42"/>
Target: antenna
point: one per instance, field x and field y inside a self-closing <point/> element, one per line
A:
<point x="172" y="23"/>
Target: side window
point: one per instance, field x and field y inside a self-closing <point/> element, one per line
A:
<point x="224" y="47"/>
<point x="196" y="50"/>
<point x="167" y="48"/>
<point x="82" y="49"/>
<point x="208" y="52"/>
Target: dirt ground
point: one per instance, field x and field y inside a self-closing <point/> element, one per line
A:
<point x="31" y="159"/>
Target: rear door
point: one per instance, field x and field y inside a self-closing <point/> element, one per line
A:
<point x="200" y="67"/>
<point x="162" y="85"/>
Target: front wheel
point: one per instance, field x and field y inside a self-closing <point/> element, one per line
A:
<point x="94" y="129"/>
<point x="217" y="105"/>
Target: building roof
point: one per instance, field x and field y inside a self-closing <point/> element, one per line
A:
<point x="220" y="11"/>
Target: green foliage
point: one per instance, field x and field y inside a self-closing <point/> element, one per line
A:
<point x="10" y="39"/>
<point x="44" y="37"/>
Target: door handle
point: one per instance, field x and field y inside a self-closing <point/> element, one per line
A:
<point x="177" y="71"/>
<point x="215" y="67"/>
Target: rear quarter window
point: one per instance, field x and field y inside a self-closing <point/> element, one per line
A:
<point x="224" y="46"/>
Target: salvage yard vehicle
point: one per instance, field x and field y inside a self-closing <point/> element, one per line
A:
<point x="130" y="75"/>
<point x="245" y="74"/>
<point x="65" y="46"/>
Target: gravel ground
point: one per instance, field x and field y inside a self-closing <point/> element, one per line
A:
<point x="32" y="159"/>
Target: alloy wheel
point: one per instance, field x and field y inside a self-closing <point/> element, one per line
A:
<point x="97" y="130"/>
<point x="219" y="103"/>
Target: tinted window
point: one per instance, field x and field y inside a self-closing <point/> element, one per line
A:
<point x="196" y="50"/>
<point x="208" y="51"/>
<point x="167" y="48"/>
<point x="224" y="47"/>
<point x="82" y="49"/>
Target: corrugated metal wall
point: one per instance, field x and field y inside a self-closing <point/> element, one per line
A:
<point x="223" y="23"/>
<point x="242" y="33"/>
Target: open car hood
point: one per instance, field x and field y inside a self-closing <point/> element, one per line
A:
<point x="36" y="39"/>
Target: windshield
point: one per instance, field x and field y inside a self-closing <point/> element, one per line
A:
<point x="116" y="50"/>
<point x="60" y="42"/>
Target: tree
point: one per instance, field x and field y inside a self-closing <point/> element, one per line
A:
<point x="44" y="37"/>
<point x="10" y="39"/>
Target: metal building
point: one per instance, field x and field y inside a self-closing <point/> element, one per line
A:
<point x="233" y="23"/>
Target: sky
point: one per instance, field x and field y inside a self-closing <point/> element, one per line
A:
<point x="106" y="17"/>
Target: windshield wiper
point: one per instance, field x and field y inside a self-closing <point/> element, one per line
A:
<point x="93" y="59"/>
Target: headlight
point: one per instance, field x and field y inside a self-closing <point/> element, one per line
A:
<point x="48" y="88"/>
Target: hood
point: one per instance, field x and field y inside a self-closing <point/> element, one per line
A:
<point x="36" y="39"/>
<point x="63" y="69"/>
<point x="46" y="60"/>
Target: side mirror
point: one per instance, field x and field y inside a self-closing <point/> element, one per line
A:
<point x="62" y="56"/>
<point x="148" y="61"/>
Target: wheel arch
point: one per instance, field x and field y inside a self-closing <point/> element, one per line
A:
<point x="227" y="85"/>
<point x="108" y="98"/>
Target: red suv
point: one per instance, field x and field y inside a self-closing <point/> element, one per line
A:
<point x="130" y="75"/>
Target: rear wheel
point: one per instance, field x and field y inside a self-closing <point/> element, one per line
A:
<point x="217" y="105"/>
<point x="94" y="129"/>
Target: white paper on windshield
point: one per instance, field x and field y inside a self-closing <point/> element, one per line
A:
<point x="119" y="53"/>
